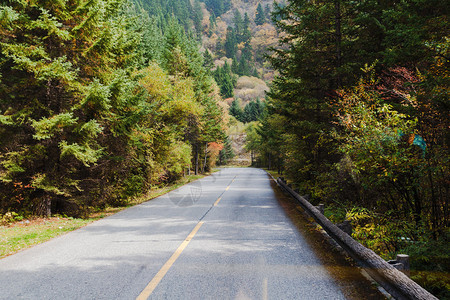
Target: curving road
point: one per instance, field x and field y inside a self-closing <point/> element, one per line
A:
<point x="223" y="237"/>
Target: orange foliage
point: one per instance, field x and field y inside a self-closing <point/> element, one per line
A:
<point x="213" y="152"/>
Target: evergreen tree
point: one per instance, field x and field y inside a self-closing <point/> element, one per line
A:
<point x="325" y="46"/>
<point x="260" y="108"/>
<point x="184" y="60"/>
<point x="260" y="16"/>
<point x="181" y="10"/>
<point x="224" y="79"/>
<point x="407" y="24"/>
<point x="238" y="25"/>
<point x="244" y="68"/>
<point x="226" y="153"/>
<point x="64" y="88"/>
<point x="230" y="43"/>
<point x="236" y="110"/>
<point x="253" y="111"/>
<point x="249" y="113"/>
<point x="318" y="55"/>
<point x="267" y="11"/>
<point x="218" y="7"/>
<point x="234" y="65"/>
<point x="151" y="46"/>
<point x="212" y="24"/>
<point x="208" y="60"/>
<point x="197" y="18"/>
<point x="246" y="33"/>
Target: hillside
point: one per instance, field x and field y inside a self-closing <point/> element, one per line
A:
<point x="263" y="36"/>
<point x="236" y="43"/>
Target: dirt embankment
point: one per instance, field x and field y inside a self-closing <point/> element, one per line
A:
<point x="242" y="157"/>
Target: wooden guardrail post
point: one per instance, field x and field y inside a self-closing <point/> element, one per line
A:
<point x="346" y="227"/>
<point x="321" y="208"/>
<point x="401" y="263"/>
<point x="404" y="260"/>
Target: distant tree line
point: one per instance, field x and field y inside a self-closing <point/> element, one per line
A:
<point x="239" y="38"/>
<point x="253" y="111"/>
<point x="188" y="14"/>
<point x="218" y="7"/>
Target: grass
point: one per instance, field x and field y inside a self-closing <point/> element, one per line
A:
<point x="274" y="173"/>
<point x="24" y="234"/>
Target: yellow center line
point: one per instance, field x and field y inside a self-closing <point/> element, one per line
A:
<point x="217" y="201"/>
<point x="162" y="272"/>
<point x="226" y="189"/>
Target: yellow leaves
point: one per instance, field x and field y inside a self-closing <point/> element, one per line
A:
<point x="175" y="95"/>
<point x="156" y="82"/>
<point x="183" y="98"/>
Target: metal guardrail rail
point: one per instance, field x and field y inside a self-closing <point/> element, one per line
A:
<point x="392" y="280"/>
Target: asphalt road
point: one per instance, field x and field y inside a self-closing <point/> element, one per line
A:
<point x="223" y="237"/>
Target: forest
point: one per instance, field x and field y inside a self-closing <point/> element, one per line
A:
<point x="98" y="106"/>
<point x="358" y="119"/>
<point x="103" y="100"/>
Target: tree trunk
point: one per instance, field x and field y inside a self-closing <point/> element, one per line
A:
<point x="196" y="159"/>
<point x="44" y="207"/>
<point x="338" y="34"/>
<point x="48" y="204"/>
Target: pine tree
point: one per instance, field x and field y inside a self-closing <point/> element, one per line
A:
<point x="208" y="60"/>
<point x="226" y="153"/>
<point x="230" y="43"/>
<point x="260" y="17"/>
<point x="246" y="33"/>
<point x="151" y="46"/>
<point x="197" y="18"/>
<point x="236" y="110"/>
<point x="218" y="7"/>
<point x="224" y="79"/>
<point x="244" y="68"/>
<point x="267" y="11"/>
<point x="64" y="88"/>
<point x="238" y="25"/>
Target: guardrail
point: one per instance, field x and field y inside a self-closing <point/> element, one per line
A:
<point x="392" y="280"/>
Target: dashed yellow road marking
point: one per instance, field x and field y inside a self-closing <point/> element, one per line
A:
<point x="217" y="201"/>
<point x="226" y="189"/>
<point x="162" y="272"/>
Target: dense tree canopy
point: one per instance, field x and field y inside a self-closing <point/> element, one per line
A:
<point x="357" y="117"/>
<point x="326" y="137"/>
<point x="97" y="106"/>
<point x="218" y="7"/>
